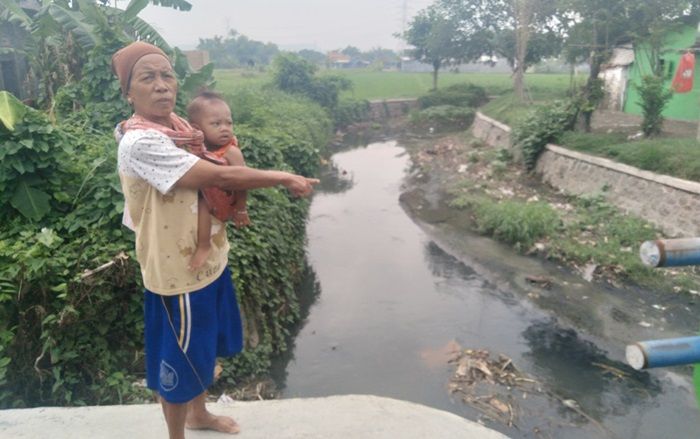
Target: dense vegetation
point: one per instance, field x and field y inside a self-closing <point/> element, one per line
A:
<point x="70" y="294"/>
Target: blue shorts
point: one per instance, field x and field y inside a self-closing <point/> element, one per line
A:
<point x="184" y="335"/>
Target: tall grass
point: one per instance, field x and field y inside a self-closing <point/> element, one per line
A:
<point x="516" y="222"/>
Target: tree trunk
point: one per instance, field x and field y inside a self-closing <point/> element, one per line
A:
<point x="523" y="16"/>
<point x="698" y="135"/>
<point x="595" y="62"/>
<point x="436" y="67"/>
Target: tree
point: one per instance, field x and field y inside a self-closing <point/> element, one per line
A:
<point x="294" y="74"/>
<point x="521" y="31"/>
<point x="596" y="27"/>
<point x="433" y="34"/>
<point x="60" y="34"/>
<point x="312" y="56"/>
<point x="237" y="50"/>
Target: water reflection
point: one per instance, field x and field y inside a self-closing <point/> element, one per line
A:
<point x="309" y="290"/>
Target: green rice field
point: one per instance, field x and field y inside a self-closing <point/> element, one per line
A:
<point x="385" y="85"/>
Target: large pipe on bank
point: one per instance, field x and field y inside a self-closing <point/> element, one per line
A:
<point x="672" y="351"/>
<point x="670" y="252"/>
<point x="662" y="353"/>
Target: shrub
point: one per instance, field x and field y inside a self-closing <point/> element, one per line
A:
<point x="293" y="74"/>
<point x="270" y="122"/>
<point x="544" y="125"/>
<point x="443" y="117"/>
<point x="351" y="111"/>
<point x="516" y="222"/>
<point x="655" y="96"/>
<point x="460" y="95"/>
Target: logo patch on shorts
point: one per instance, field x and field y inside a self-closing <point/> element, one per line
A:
<point x="168" y="376"/>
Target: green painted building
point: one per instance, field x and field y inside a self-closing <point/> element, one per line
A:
<point x="684" y="106"/>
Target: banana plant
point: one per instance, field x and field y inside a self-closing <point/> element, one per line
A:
<point x="59" y="35"/>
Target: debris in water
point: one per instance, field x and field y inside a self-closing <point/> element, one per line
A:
<point x="589" y="271"/>
<point x="494" y="387"/>
<point x="541" y="281"/>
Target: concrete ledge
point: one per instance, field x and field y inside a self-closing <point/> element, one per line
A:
<point x="494" y="122"/>
<point x="672" y="182"/>
<point x="491" y="131"/>
<point x="335" y="417"/>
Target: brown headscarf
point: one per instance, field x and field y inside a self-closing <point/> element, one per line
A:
<point x="124" y="59"/>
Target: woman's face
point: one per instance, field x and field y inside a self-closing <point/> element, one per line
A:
<point x="153" y="88"/>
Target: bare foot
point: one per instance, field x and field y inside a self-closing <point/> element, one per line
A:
<point x="199" y="258"/>
<point x="208" y="421"/>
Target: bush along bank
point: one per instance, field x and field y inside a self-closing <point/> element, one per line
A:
<point x="451" y="108"/>
<point x="67" y="338"/>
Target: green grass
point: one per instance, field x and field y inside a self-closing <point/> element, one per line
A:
<point x="676" y="157"/>
<point x="372" y="85"/>
<point x="229" y="80"/>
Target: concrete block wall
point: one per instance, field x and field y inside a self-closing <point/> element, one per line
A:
<point x="491" y="131"/>
<point x="390" y="108"/>
<point x="672" y="204"/>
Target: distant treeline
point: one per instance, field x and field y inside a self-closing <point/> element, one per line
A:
<point x="236" y="50"/>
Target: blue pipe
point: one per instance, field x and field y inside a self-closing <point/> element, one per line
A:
<point x="670" y="252"/>
<point x="661" y="353"/>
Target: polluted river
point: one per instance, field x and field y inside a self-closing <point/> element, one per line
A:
<point x="392" y="304"/>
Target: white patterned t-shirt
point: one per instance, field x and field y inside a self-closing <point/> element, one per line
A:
<point x="163" y="216"/>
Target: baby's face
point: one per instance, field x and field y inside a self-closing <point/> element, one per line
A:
<point x="216" y="124"/>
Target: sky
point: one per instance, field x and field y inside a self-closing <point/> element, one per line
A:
<point x="321" y="25"/>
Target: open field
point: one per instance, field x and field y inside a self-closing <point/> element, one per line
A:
<point x="385" y="85"/>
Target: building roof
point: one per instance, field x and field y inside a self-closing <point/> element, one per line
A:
<point x="337" y="57"/>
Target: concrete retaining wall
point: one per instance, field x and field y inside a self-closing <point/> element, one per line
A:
<point x="387" y="109"/>
<point x="491" y="131"/>
<point x="670" y="203"/>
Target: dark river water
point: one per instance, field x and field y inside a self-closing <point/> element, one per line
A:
<point x="385" y="305"/>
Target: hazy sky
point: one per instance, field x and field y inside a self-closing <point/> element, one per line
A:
<point x="291" y="24"/>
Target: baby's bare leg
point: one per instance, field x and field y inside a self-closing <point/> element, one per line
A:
<point x="203" y="235"/>
<point x="240" y="215"/>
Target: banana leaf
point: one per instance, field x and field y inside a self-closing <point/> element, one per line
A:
<point x="11" y="110"/>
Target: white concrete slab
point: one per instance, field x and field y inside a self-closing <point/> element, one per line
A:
<point x="335" y="417"/>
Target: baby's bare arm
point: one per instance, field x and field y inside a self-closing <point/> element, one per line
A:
<point x="234" y="156"/>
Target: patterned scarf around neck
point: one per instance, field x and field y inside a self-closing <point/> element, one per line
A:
<point x="182" y="134"/>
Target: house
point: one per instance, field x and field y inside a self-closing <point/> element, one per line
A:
<point x="337" y="60"/>
<point x="197" y="58"/>
<point x="615" y="75"/>
<point x="626" y="68"/>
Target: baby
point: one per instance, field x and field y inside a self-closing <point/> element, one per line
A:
<point x="209" y="113"/>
